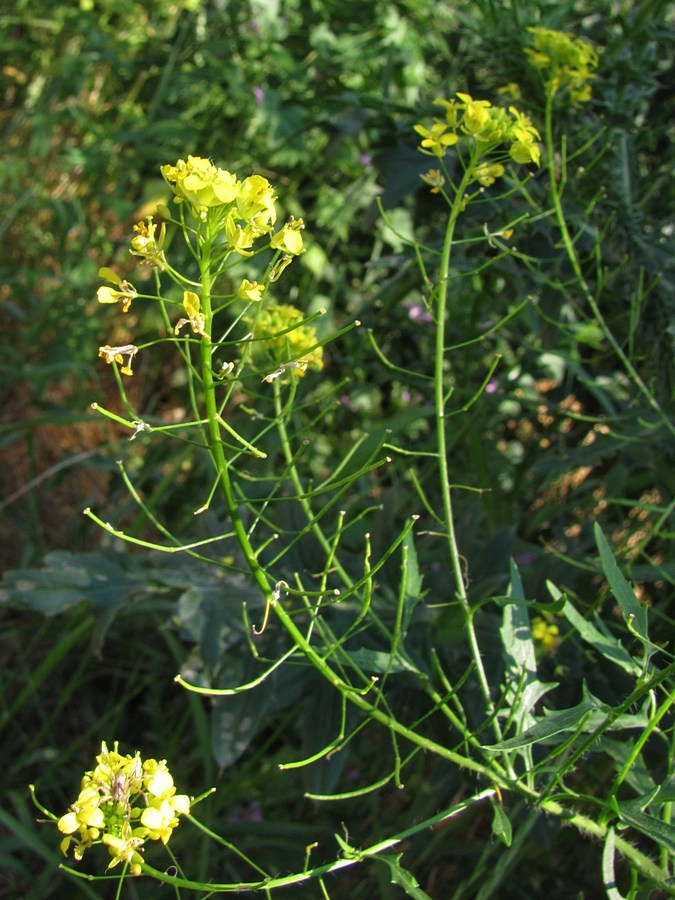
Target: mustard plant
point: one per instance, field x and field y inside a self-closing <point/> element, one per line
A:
<point x="252" y="363"/>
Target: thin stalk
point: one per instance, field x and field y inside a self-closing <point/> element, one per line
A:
<point x="568" y="243"/>
<point x="440" y="398"/>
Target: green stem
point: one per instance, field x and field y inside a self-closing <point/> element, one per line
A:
<point x="589" y="297"/>
<point x="440" y="400"/>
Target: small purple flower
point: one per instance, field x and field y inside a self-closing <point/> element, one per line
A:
<point x="259" y="95"/>
<point x="527" y="557"/>
<point x="365" y="159"/>
<point x="417" y="312"/>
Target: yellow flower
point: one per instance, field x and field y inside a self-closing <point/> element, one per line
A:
<point x="486" y="129"/>
<point x="240" y="239"/>
<point x="545" y="635"/>
<point x="125" y="850"/>
<point x="107" y="294"/>
<point x="250" y="290"/>
<point x="476" y="114"/>
<point x="255" y="202"/>
<point x="452" y="111"/>
<point x="201" y="184"/>
<point x="123" y="803"/>
<point x="437" y="139"/>
<point x="289" y="238"/>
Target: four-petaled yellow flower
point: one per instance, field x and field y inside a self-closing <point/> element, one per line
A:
<point x="437" y="139"/>
<point x="107" y="294"/>
<point x="289" y="238"/>
<point x="250" y="290"/>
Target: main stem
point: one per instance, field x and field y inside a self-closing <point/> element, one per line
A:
<point x="439" y="406"/>
<point x="493" y="772"/>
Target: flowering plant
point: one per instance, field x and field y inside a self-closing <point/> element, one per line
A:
<point x="227" y="330"/>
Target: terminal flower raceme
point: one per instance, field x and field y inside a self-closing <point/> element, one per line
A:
<point x="565" y="62"/>
<point x="486" y="131"/>
<point x="200" y="183"/>
<point x="123" y="803"/>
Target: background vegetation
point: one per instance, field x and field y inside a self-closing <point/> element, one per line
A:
<point x="321" y="98"/>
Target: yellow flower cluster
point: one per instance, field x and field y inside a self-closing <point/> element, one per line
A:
<point x="281" y="340"/>
<point x="487" y="129"/>
<point x="246" y="207"/>
<point x="146" y="245"/>
<point x="566" y="62"/>
<point x="546" y="635"/>
<point x="231" y="214"/>
<point x="123" y="802"/>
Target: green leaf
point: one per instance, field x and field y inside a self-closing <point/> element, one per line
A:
<point x="663" y="833"/>
<point x="607" y="646"/>
<point x="524" y="689"/>
<point x="501" y="826"/>
<point x="413" y="581"/>
<point x="634" y="612"/>
<point x="587" y="716"/>
<point x="553" y="723"/>
<point x="403" y="878"/>
<point x="380" y="661"/>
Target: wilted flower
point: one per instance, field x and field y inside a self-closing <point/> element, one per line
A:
<point x="250" y="290"/>
<point x="147" y="246"/>
<point x="195" y="317"/>
<point x="118" y="354"/>
<point x="435" y="179"/>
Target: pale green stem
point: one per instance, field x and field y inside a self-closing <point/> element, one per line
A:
<point x="317" y="531"/>
<point x="456" y="209"/>
<point x="571" y="252"/>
